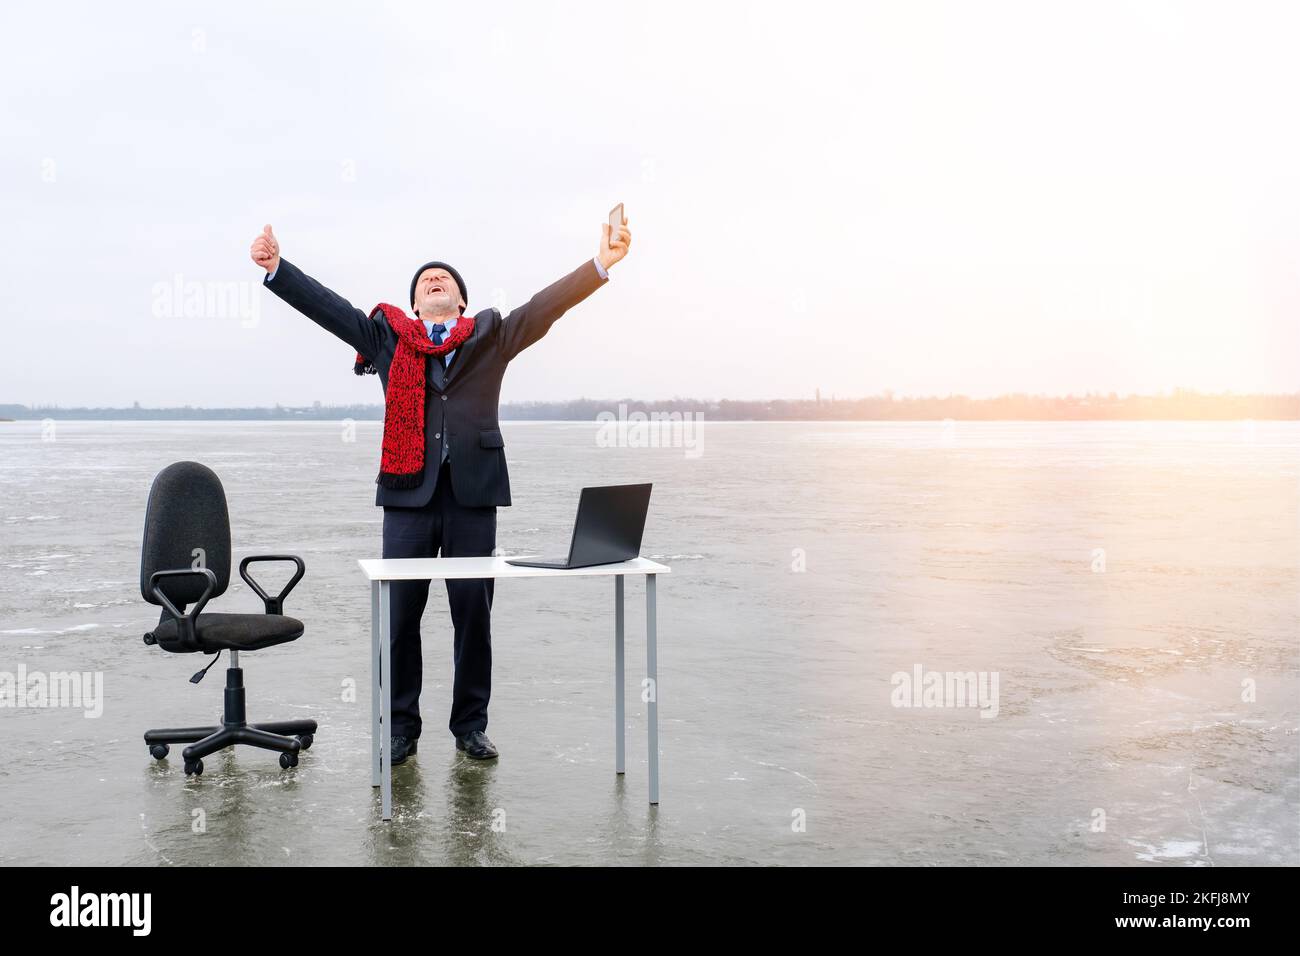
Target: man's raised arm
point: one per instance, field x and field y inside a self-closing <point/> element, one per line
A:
<point x="330" y="311"/>
<point x="528" y="323"/>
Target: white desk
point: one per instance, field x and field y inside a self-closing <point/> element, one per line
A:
<point x="382" y="571"/>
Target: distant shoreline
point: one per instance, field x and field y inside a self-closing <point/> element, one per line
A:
<point x="1179" y="405"/>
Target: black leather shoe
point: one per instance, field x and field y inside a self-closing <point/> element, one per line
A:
<point x="400" y="748"/>
<point x="476" y="745"/>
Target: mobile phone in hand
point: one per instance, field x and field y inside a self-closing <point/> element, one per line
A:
<point x="615" y="221"/>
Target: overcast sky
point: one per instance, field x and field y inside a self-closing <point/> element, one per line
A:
<point x="966" y="197"/>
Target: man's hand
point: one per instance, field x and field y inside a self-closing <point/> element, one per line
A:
<point x="612" y="248"/>
<point x="266" y="250"/>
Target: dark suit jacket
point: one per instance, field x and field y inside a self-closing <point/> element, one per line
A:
<point x="463" y="400"/>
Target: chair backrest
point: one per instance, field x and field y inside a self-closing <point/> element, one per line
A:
<point x="186" y="525"/>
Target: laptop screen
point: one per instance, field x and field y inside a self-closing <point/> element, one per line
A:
<point x="610" y="522"/>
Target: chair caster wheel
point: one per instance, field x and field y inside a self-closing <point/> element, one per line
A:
<point x="306" y="740"/>
<point x="288" y="760"/>
<point x="159" y="751"/>
<point x="194" y="767"/>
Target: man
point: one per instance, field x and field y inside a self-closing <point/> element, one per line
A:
<point x="443" y="467"/>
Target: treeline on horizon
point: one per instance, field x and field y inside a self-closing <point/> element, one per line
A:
<point x="1178" y="405"/>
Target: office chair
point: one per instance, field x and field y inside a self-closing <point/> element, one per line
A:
<point x="186" y="560"/>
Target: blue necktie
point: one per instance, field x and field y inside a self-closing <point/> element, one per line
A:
<point x="436" y="333"/>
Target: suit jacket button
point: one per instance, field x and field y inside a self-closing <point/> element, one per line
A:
<point x="437" y="434"/>
<point x="444" y="398"/>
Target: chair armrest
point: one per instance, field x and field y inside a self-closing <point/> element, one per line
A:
<point x="184" y="622"/>
<point x="274" y="605"/>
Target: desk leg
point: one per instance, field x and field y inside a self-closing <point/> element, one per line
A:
<point x="652" y="672"/>
<point x="374" y="683"/>
<point x="620" y="717"/>
<point x="386" y="701"/>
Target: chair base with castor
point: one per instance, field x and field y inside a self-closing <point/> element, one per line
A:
<point x="185" y="560"/>
<point x="289" y="737"/>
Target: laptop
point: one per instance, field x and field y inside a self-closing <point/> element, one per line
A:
<point x="607" y="530"/>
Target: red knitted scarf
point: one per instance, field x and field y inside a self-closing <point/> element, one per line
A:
<point x="402" y="462"/>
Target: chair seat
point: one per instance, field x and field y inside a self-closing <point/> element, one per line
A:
<point x="235" y="632"/>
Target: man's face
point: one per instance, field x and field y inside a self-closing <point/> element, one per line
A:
<point x="436" y="293"/>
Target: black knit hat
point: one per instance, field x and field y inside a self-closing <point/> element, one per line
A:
<point x="439" y="265"/>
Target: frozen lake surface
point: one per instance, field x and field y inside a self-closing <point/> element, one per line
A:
<point x="1132" y="586"/>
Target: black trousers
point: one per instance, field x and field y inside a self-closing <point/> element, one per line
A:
<point x="442" y="528"/>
